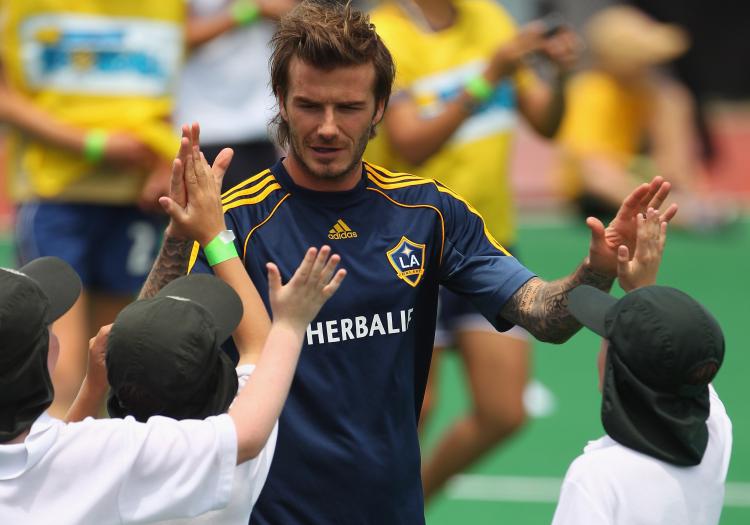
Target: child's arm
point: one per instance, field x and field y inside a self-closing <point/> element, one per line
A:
<point x="649" y="248"/>
<point x="294" y="306"/>
<point x="93" y="390"/>
<point x="250" y="335"/>
<point x="201" y="218"/>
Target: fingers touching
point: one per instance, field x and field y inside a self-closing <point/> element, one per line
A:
<point x="177" y="182"/>
<point x="635" y="201"/>
<point x="658" y="191"/>
<point x="641" y="269"/>
<point x="191" y="141"/>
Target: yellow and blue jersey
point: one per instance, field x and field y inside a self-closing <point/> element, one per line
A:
<point x="94" y="64"/>
<point x="348" y="450"/>
<point x="433" y="68"/>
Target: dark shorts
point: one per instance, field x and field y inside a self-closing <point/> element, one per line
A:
<point x="456" y="313"/>
<point x="249" y="158"/>
<point x="111" y="247"/>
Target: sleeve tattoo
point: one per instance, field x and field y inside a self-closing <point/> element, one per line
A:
<point x="542" y="307"/>
<point x="171" y="263"/>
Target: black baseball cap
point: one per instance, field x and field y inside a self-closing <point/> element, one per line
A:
<point x="31" y="298"/>
<point x="164" y="354"/>
<point x="664" y="350"/>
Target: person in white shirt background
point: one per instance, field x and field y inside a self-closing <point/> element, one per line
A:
<point x="666" y="452"/>
<point x="224" y="81"/>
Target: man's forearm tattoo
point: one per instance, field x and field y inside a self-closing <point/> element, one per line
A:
<point x="542" y="307"/>
<point x="171" y="263"/>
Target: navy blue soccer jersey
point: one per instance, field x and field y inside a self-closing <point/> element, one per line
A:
<point x="347" y="449"/>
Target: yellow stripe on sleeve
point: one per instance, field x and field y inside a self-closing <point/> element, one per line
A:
<point x="249" y="191"/>
<point x="244" y="183"/>
<point x="388" y="173"/>
<point x="387" y="186"/>
<point x="244" y="202"/>
<point x="254" y="200"/>
<point x="388" y="177"/>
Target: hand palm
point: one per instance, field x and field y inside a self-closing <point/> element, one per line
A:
<point x="622" y="230"/>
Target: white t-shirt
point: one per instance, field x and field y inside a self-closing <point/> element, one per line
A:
<point x="249" y="479"/>
<point x="612" y="484"/>
<point x="225" y="82"/>
<point x="117" y="471"/>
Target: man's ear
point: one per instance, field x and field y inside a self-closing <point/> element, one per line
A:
<point x="379" y="112"/>
<point x="282" y="106"/>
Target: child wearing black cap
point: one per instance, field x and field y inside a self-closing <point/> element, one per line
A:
<point x="124" y="470"/>
<point x="665" y="456"/>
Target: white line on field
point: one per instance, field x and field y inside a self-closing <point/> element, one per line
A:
<point x="476" y="487"/>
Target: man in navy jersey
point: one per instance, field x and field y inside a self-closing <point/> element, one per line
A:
<point x="347" y="448"/>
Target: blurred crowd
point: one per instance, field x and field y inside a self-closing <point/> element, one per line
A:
<point x="620" y="91"/>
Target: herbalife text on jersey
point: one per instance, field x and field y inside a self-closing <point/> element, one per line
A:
<point x="358" y="327"/>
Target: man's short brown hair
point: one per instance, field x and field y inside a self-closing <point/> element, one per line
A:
<point x="327" y="35"/>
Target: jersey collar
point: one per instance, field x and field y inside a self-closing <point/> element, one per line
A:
<point x="325" y="198"/>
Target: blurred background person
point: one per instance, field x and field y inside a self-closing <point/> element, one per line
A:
<point x="88" y="86"/>
<point x="461" y="79"/>
<point x="626" y="120"/>
<point x="224" y="84"/>
<point x="715" y="67"/>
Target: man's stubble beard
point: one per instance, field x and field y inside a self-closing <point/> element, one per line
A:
<point x="359" y="150"/>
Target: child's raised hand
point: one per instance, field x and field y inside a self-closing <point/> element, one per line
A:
<point x="649" y="247"/>
<point x="190" y="189"/>
<point x="314" y="282"/>
<point x="201" y="217"/>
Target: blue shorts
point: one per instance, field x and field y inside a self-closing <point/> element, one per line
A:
<point x="111" y="247"/>
<point x="457" y="313"/>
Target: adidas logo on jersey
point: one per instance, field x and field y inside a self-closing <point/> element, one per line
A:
<point x="340" y="230"/>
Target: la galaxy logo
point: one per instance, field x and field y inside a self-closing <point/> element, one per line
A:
<point x="407" y="258"/>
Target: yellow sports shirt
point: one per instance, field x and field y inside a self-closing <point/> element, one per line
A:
<point x="95" y="64"/>
<point x="434" y="67"/>
<point x="603" y="117"/>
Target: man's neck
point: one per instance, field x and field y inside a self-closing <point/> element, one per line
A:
<point x="303" y="178"/>
<point x="438" y="14"/>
